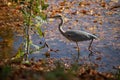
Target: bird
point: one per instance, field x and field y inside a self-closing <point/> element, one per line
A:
<point x="75" y="35"/>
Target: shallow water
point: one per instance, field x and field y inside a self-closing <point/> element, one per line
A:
<point x="106" y="27"/>
<point x="106" y="48"/>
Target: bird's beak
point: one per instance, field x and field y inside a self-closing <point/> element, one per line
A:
<point x="50" y="18"/>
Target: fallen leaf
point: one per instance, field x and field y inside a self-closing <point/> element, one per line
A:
<point x="98" y="58"/>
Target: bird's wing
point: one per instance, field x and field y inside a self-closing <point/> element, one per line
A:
<point x="77" y="35"/>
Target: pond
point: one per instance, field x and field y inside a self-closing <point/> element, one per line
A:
<point x="92" y="17"/>
<point x="102" y="22"/>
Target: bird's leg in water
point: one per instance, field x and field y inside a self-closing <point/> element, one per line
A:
<point x="78" y="50"/>
<point x="90" y="48"/>
<point x="46" y="45"/>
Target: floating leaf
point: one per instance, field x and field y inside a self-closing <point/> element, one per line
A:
<point x="98" y="58"/>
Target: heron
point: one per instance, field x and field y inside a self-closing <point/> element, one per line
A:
<point x="75" y="35"/>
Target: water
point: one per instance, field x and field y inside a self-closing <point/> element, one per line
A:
<point x="101" y="22"/>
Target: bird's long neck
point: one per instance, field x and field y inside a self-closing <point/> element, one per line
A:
<point x="60" y="26"/>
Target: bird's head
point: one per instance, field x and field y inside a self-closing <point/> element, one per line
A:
<point x="56" y="16"/>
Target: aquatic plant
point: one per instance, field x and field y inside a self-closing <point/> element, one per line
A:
<point x="31" y="10"/>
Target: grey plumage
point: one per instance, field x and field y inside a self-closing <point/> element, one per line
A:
<point x="77" y="35"/>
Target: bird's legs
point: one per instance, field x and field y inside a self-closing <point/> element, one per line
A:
<point x="78" y="49"/>
<point x="90" y="48"/>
